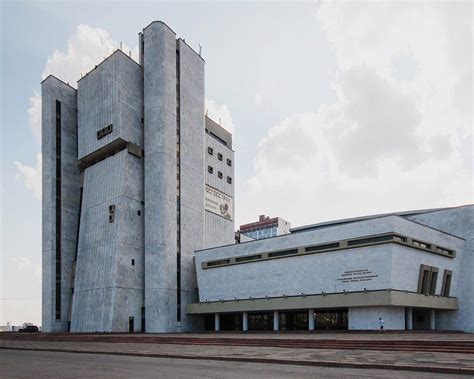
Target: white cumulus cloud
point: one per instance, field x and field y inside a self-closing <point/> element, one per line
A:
<point x="220" y="113"/>
<point x="87" y="47"/>
<point x="395" y="138"/>
<point x="31" y="176"/>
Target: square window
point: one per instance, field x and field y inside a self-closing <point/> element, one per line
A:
<point x="219" y="174"/>
<point x="229" y="180"/>
<point x="210" y="150"/>
<point x="210" y="169"/>
<point x="219" y="156"/>
<point x="229" y="162"/>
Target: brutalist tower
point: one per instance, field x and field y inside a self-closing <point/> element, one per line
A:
<point x="130" y="190"/>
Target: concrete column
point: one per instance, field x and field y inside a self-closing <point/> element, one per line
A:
<point x="217" y="322"/>
<point x="409" y="325"/>
<point x="432" y="319"/>
<point x="276" y="321"/>
<point x="311" y="319"/>
<point x="245" y="321"/>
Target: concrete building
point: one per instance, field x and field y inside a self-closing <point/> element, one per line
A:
<point x="127" y="195"/>
<point x="265" y="227"/>
<point x="413" y="269"/>
<point x="138" y="223"/>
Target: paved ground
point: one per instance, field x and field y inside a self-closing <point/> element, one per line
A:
<point x="40" y="364"/>
<point x="361" y="359"/>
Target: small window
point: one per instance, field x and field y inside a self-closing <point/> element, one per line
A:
<point x="218" y="263"/>
<point x="229" y="180"/>
<point x="112" y="208"/>
<point x="143" y="120"/>
<point x="210" y="150"/>
<point x="210" y="169"/>
<point x="111" y="217"/>
<point x="139" y="212"/>
<point x="219" y="156"/>
<point x="248" y="258"/>
<point x="229" y="162"/>
<point x="133" y="262"/>
<point x="448" y="274"/>
<point x="220" y="175"/>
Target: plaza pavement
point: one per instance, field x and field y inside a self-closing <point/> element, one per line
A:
<point x="351" y="350"/>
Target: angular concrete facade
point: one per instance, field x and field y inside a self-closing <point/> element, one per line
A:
<point x="123" y="217"/>
<point x="413" y="269"/>
<point x="60" y="202"/>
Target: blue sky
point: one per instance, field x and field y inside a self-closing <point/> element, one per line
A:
<point x="338" y="109"/>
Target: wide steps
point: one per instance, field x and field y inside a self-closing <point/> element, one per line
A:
<point x="465" y="347"/>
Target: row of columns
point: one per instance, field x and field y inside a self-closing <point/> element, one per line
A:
<point x="276" y="321"/>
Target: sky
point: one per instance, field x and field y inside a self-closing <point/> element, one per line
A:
<point x="338" y="109"/>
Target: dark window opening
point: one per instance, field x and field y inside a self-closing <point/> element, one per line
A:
<point x="210" y="169"/>
<point x="334" y="245"/>
<point x="446" y="283"/>
<point x="248" y="258"/>
<point x="131" y="324"/>
<point x="139" y="212"/>
<point x="229" y="180"/>
<point x="220" y="175"/>
<point x="133" y="262"/>
<point x="210" y="150"/>
<point x="363" y="241"/>
<point x="219" y="156"/>
<point x="58" y="212"/>
<point x="282" y="253"/>
<point x="218" y="263"/>
<point x="229" y="162"/>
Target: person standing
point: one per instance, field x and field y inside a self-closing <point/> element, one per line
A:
<point x="381" y="324"/>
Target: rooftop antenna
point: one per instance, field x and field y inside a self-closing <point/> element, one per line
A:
<point x="130" y="53"/>
<point x="200" y="49"/>
<point x="120" y="45"/>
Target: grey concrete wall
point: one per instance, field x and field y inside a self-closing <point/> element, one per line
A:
<point x="108" y="289"/>
<point x="396" y="267"/>
<point x="458" y="221"/>
<point x="53" y="89"/>
<point x="159" y="65"/>
<point x="191" y="75"/>
<point x="112" y="93"/>
<point x="367" y="318"/>
<point x="219" y="230"/>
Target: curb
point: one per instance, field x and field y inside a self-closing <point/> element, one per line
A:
<point x="442" y="370"/>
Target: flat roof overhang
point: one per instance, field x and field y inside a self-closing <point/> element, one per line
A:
<point x="378" y="298"/>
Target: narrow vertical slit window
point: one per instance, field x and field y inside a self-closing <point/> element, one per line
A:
<point x="58" y="213"/>
<point x="178" y="189"/>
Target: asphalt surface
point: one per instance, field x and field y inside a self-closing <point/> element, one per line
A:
<point x="42" y="364"/>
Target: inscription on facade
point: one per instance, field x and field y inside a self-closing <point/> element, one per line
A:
<point x="359" y="275"/>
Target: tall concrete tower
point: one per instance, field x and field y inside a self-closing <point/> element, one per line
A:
<point x="124" y="191"/>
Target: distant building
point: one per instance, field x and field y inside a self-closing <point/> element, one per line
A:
<point x="265" y="227"/>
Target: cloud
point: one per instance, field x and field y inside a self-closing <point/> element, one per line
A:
<point x="26" y="265"/>
<point x="34" y="115"/>
<point x="258" y="99"/>
<point x="220" y="114"/>
<point x="87" y="47"/>
<point x="395" y="138"/>
<point x="31" y="176"/>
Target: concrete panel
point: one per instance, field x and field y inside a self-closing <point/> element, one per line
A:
<point x="458" y="221"/>
<point x="106" y="249"/>
<point x="112" y="93"/>
<point x="159" y="68"/>
<point x="55" y="90"/>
